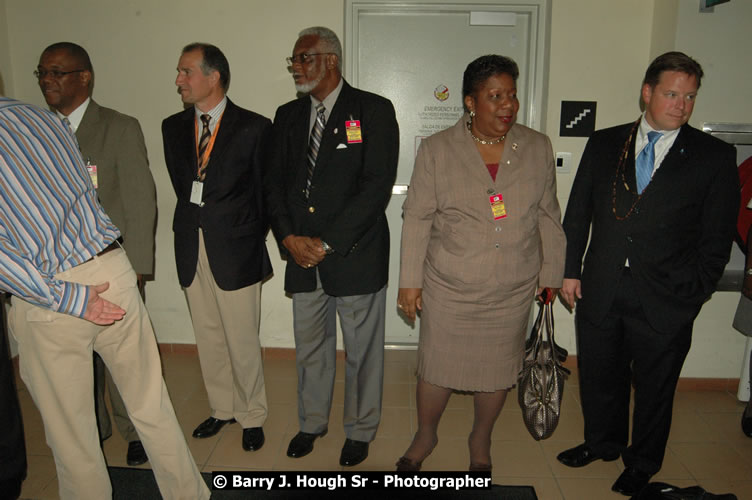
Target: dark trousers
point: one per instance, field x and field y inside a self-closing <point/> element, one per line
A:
<point x="12" y="446"/>
<point x="624" y="350"/>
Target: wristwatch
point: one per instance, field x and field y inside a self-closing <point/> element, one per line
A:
<point x="326" y="247"/>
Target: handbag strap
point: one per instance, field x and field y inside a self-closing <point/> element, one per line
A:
<point x="538" y="328"/>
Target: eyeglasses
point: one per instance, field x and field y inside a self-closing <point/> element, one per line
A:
<point x="54" y="73"/>
<point x="304" y="58"/>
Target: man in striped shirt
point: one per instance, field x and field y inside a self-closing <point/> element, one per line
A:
<point x="74" y="291"/>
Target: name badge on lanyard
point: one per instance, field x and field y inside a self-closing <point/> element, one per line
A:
<point x="197" y="187"/>
<point x="197" y="192"/>
<point x="498" y="209"/>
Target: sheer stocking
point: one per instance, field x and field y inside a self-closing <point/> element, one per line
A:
<point x="431" y="402"/>
<point x="487" y="406"/>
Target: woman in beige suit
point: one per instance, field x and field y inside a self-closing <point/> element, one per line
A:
<point x="481" y="236"/>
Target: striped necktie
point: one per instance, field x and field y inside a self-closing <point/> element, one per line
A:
<point x="646" y="161"/>
<point x="314" y="143"/>
<point x="202" y="144"/>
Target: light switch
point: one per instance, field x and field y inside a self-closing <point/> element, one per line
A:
<point x="563" y="162"/>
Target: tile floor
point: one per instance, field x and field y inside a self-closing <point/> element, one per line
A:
<point x="706" y="446"/>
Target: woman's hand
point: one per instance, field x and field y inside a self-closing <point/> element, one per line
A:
<point x="550" y="294"/>
<point x="409" y="301"/>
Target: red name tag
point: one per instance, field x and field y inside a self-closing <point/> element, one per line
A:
<point x="497" y="206"/>
<point x="354" y="135"/>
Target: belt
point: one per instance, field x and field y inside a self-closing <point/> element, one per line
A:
<point x="112" y="246"/>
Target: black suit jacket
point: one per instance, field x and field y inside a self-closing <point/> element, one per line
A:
<point x="351" y="187"/>
<point x="232" y="218"/>
<point x="677" y="238"/>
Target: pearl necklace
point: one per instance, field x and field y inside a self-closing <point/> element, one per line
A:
<point x="483" y="141"/>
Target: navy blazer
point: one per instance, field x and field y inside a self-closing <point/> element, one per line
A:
<point x="677" y="238"/>
<point x="351" y="186"/>
<point x="232" y="219"/>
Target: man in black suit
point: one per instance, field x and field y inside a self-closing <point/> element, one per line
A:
<point x="332" y="166"/>
<point x="213" y="152"/>
<point x="661" y="199"/>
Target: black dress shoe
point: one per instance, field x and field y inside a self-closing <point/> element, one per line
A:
<point x="302" y="444"/>
<point x="253" y="438"/>
<point x="210" y="427"/>
<point x="581" y="455"/>
<point x="353" y="452"/>
<point x="747" y="422"/>
<point x="136" y="453"/>
<point x="631" y="482"/>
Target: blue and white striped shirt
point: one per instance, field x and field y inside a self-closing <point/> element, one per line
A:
<point x="50" y="219"/>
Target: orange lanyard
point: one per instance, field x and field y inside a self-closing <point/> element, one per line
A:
<point x="210" y="146"/>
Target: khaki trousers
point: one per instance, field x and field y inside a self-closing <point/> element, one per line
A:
<point x="55" y="354"/>
<point x="226" y="326"/>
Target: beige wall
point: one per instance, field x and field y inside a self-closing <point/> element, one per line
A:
<point x="5" y="72"/>
<point x="599" y="51"/>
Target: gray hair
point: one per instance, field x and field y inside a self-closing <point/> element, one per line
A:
<point x="329" y="40"/>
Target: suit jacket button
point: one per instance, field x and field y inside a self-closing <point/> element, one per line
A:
<point x="629" y="239"/>
<point x="311" y="209"/>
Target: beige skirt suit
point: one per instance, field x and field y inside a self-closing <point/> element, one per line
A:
<point x="478" y="274"/>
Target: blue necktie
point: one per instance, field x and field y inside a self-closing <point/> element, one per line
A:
<point x="645" y="162"/>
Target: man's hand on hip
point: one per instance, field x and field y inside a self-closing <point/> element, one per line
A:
<point x="101" y="311"/>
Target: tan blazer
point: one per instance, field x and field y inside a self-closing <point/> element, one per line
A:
<point x="115" y="144"/>
<point x="448" y="219"/>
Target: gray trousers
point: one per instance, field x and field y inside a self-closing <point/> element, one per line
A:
<point x="362" y="321"/>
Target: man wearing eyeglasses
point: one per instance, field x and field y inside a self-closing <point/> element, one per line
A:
<point x="113" y="149"/>
<point x="333" y="162"/>
<point x="214" y="153"/>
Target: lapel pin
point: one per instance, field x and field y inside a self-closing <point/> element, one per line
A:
<point x="514" y="146"/>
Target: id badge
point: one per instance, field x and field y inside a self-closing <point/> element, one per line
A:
<point x="92" y="174"/>
<point x="354" y="135"/>
<point x="197" y="192"/>
<point x="497" y="206"/>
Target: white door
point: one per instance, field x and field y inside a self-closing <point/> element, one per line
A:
<point x="415" y="53"/>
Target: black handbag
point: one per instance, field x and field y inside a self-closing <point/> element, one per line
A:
<point x="540" y="384"/>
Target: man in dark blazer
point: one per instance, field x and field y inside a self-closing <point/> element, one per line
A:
<point x="213" y="151"/>
<point x="113" y="148"/>
<point x="330" y="177"/>
<point x="660" y="198"/>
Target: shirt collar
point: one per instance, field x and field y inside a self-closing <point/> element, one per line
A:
<point x="76" y="115"/>
<point x="331" y="99"/>
<point x="215" y="112"/>
<point x="645" y="127"/>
